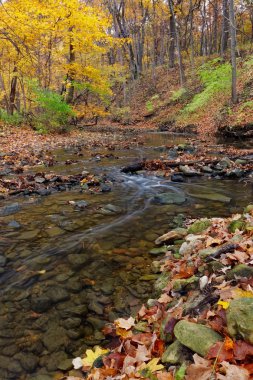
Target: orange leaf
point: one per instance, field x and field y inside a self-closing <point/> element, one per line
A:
<point x="228" y="344"/>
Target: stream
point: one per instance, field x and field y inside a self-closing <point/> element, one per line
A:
<point x="65" y="272"/>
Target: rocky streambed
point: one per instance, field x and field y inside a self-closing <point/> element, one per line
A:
<point x="74" y="258"/>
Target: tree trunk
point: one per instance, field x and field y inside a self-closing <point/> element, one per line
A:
<point x="233" y="48"/>
<point x="225" y="27"/>
<point x="13" y="91"/>
<point x="69" y="96"/>
<point x="180" y="62"/>
<point x="172" y="42"/>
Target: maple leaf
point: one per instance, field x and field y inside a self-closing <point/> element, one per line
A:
<point x="91" y="356"/>
<point x="125" y="323"/>
<point x="151" y="366"/>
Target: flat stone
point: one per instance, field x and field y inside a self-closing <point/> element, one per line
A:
<point x="195" y="336"/>
<point x="2" y="261"/>
<point x="96" y="307"/>
<point x="55" y="231"/>
<point x="81" y="204"/>
<point x="57" y="294"/>
<point x="240" y="319"/>
<point x="28" y="361"/>
<point x="170" y="236"/>
<point x="55" y="338"/>
<point x="76" y="259"/>
<point x="28" y="235"/>
<point x="208" y="195"/>
<point x="168" y="198"/>
<point x="158" y="251"/>
<point x="14" y="224"/>
<point x="110" y="209"/>
<point x="71" y="322"/>
<point x="55" y="359"/>
<point x="10" y="209"/>
<point x="65" y="365"/>
<point x="188" y="171"/>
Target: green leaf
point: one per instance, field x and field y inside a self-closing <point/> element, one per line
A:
<point x="180" y="374"/>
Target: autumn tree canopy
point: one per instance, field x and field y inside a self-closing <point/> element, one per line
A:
<point x="80" y="51"/>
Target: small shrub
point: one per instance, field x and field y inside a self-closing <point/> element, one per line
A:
<point x="149" y="106"/>
<point x="121" y="115"/>
<point x="52" y="113"/>
<point x="178" y="94"/>
<point x="153" y="103"/>
<point x="15" y="119"/>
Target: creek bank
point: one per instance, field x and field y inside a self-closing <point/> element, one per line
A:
<point x="181" y="170"/>
<point x="192" y="326"/>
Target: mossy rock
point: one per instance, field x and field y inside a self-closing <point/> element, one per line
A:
<point x="197" y="337"/>
<point x="161" y="282"/>
<point x="240" y="319"/>
<point x="182" y="283"/>
<point x="237" y="225"/>
<point x="241" y="270"/>
<point x="174" y="353"/>
<point x="199" y="226"/>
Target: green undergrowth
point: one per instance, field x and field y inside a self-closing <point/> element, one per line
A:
<point x="15" y="119"/>
<point x="216" y="78"/>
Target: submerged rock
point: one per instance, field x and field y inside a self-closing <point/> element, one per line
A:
<point x="10" y="209"/>
<point x="55" y="338"/>
<point x="169" y="198"/>
<point x="197" y="337"/>
<point x="208" y="195"/>
<point x="240" y="319"/>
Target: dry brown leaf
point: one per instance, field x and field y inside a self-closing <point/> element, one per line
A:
<point x="233" y="372"/>
<point x="201" y="369"/>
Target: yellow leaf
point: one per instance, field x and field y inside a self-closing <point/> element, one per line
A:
<point x="91" y="356"/>
<point x="152" y="366"/>
<point x="239" y="293"/>
<point x="223" y="304"/>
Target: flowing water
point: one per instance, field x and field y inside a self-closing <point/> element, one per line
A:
<point x="69" y="271"/>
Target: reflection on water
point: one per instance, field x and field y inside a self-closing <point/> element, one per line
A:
<point x="68" y="271"/>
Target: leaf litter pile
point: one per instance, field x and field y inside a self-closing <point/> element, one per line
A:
<point x="201" y="324"/>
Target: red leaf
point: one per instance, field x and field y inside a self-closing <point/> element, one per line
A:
<point x="219" y="351"/>
<point x="242" y="350"/>
<point x="114" y="360"/>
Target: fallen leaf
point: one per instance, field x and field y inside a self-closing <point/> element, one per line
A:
<point x="125" y="323"/>
<point x="242" y="350"/>
<point x="164" y="298"/>
<point x="151" y="366"/>
<point x="165" y="376"/>
<point x="77" y="363"/>
<point x="218" y="352"/>
<point x="232" y="372"/>
<point x="91" y="356"/>
<point x="223" y="304"/>
<point x="200" y="370"/>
